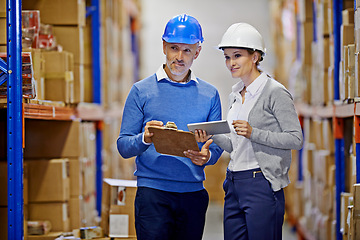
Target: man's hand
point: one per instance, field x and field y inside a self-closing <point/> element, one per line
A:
<point x="201" y="135"/>
<point x="147" y="134"/>
<point x="200" y="158"/>
<point x="242" y="128"/>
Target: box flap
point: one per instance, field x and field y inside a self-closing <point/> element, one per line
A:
<point x="120" y="182"/>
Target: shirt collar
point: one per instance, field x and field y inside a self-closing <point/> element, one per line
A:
<point x="161" y="74"/>
<point x="254" y="87"/>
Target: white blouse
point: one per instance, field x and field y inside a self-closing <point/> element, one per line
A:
<point x="243" y="157"/>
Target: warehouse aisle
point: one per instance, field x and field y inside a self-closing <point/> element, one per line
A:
<point x="213" y="226"/>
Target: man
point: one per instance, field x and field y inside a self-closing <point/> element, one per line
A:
<point x="171" y="201"/>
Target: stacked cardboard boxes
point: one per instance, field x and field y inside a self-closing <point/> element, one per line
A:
<point x="68" y="21"/>
<point x="49" y="192"/>
<point x="64" y="73"/>
<point x="347" y="63"/>
<point x="315" y="208"/>
<point x="75" y="142"/>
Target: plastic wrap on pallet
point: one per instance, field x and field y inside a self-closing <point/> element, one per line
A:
<point x="28" y="82"/>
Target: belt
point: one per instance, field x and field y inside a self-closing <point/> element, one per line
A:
<point x="252" y="173"/>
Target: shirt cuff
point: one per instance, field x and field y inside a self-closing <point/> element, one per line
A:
<point x="143" y="140"/>
<point x="209" y="158"/>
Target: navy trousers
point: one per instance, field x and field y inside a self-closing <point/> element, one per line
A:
<point x="252" y="210"/>
<point x="161" y="215"/>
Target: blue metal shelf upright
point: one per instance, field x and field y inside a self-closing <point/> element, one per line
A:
<point x="94" y="13"/>
<point x="13" y="71"/>
<point x="339" y="140"/>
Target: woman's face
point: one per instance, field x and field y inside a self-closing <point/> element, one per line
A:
<point x="239" y="62"/>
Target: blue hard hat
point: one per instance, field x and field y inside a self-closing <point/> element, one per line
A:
<point x="183" y="29"/>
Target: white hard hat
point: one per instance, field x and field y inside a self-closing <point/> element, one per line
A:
<point x="242" y="35"/>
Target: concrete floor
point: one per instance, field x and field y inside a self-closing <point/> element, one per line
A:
<point x="214" y="229"/>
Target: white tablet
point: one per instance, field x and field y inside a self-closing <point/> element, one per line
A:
<point x="211" y="128"/>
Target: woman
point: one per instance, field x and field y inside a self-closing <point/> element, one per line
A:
<point x="265" y="127"/>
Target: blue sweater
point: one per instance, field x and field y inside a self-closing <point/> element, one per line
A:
<point x="165" y="101"/>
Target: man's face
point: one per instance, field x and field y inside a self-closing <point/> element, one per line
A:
<point x="179" y="58"/>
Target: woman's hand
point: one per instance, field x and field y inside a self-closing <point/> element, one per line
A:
<point x="201" y="135"/>
<point x="242" y="128"/>
<point x="147" y="134"/>
<point x="202" y="157"/>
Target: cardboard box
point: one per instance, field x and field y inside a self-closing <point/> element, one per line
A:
<point x="2" y="8"/>
<point x="117" y="208"/>
<point x="351" y="70"/>
<point x="4" y="222"/>
<point x="59" y="76"/>
<point x="88" y="44"/>
<point x="347" y="36"/>
<point x="306" y="41"/>
<point x="346" y="200"/>
<point x="59" y="12"/>
<point x="3" y="30"/>
<point x="79" y="83"/>
<point x="348" y="16"/>
<point x="3" y="48"/>
<point x="52" y="139"/>
<point x="326" y="52"/>
<point x="89" y="176"/>
<point x="356" y="212"/>
<point x="76" y="212"/>
<point x="90" y="213"/>
<point x="305" y="10"/>
<point x="88" y="84"/>
<point x="322" y="27"/>
<point x="72" y="40"/>
<point x="76" y="177"/>
<point x="57" y="213"/>
<point x="348" y="4"/>
<point x="357" y="33"/>
<point x="49" y="180"/>
<point x="357" y="74"/>
<point x="57" y="62"/>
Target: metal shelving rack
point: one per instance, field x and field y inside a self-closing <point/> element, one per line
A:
<point x="337" y="114"/>
<point x="15" y="112"/>
<point x="14" y="121"/>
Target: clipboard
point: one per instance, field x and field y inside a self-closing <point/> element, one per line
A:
<point x="173" y="142"/>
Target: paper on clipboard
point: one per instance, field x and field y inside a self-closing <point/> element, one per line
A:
<point x="211" y="128"/>
<point x="173" y="142"/>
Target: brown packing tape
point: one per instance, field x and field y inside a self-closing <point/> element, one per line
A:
<point x="68" y="75"/>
